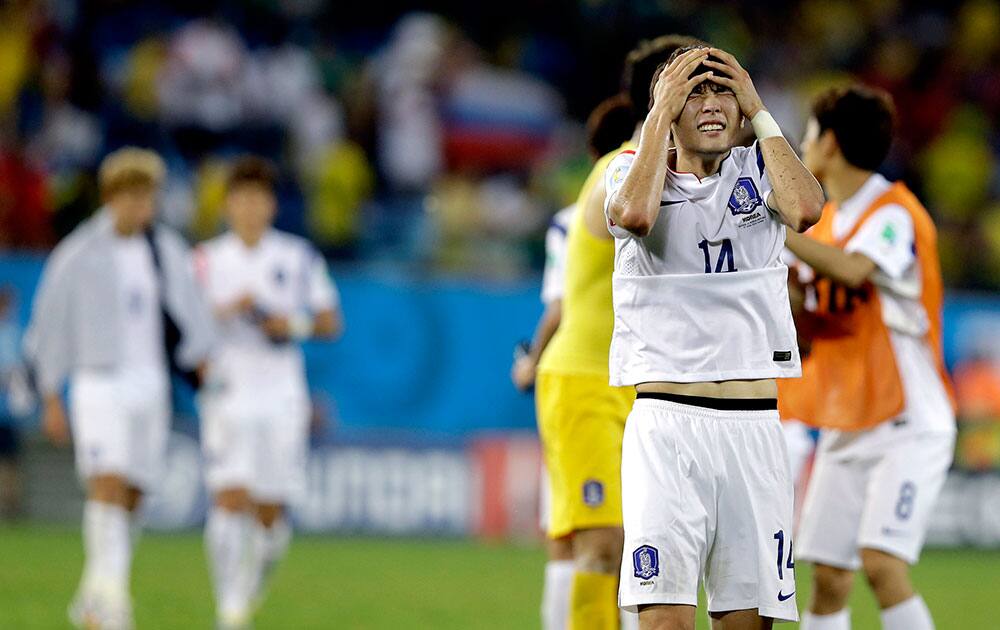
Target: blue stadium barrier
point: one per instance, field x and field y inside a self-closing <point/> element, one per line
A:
<point x="427" y="357"/>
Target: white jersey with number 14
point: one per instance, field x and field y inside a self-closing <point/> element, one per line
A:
<point x="703" y="297"/>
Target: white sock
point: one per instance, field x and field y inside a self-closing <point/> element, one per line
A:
<point x="106" y="546"/>
<point x="840" y="620"/>
<point x="628" y="620"/>
<point x="270" y="546"/>
<point x="227" y="541"/>
<point x="555" y="594"/>
<point x="909" y="615"/>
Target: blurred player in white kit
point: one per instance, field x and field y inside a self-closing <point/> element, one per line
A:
<point x="269" y="291"/>
<point x="116" y="308"/>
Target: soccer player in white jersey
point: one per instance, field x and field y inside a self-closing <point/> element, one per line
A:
<point x="875" y="481"/>
<point x="116" y="308"/>
<point x="702" y="328"/>
<point x="269" y="290"/>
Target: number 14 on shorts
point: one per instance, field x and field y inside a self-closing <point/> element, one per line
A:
<point x="783" y="563"/>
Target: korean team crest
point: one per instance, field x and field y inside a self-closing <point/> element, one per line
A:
<point x="646" y="562"/>
<point x="745" y="198"/>
<point x="593" y="492"/>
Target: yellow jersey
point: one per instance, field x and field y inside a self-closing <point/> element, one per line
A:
<point x="580" y="344"/>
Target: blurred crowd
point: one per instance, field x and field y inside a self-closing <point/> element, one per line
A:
<point x="444" y="141"/>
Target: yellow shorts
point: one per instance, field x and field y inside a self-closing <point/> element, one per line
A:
<point x="581" y="420"/>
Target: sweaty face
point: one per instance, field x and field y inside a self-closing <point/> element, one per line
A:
<point x="710" y="120"/>
<point x="250" y="208"/>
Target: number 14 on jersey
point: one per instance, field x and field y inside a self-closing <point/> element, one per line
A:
<point x="724" y="262"/>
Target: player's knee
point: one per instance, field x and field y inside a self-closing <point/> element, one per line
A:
<point x="598" y="550"/>
<point x="559" y="548"/>
<point x="110" y="488"/>
<point x="133" y="497"/>
<point x="233" y="499"/>
<point x="659" y="617"/>
<point x="832" y="587"/>
<point x="884" y="571"/>
<point x="269" y="513"/>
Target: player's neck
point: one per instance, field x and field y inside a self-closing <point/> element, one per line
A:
<point x="844" y="182"/>
<point x="124" y="228"/>
<point x="250" y="239"/>
<point x="701" y="165"/>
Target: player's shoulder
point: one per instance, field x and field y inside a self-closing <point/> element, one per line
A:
<point x="216" y="244"/>
<point x="748" y="159"/>
<point x="76" y="244"/>
<point x="615" y="165"/>
<point x="290" y="244"/>
<point x="888" y="200"/>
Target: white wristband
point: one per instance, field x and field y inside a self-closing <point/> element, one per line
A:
<point x="764" y="126"/>
<point x="300" y="326"/>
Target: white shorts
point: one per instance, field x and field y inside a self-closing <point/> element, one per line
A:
<point x="120" y="425"/>
<point x="258" y="443"/>
<point x="799" y="444"/>
<point x="882" y="501"/>
<point x="706" y="494"/>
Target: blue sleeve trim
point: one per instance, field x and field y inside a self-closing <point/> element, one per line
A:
<point x="760" y="158"/>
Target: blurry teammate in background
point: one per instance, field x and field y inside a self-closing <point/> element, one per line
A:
<point x="702" y="327"/>
<point x="269" y="291"/>
<point x="875" y="379"/>
<point x="611" y="123"/>
<point x="117" y="305"/>
<point x="580" y="417"/>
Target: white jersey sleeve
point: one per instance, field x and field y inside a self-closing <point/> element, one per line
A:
<point x="554" y="274"/>
<point x="887" y="238"/>
<point x="614" y="177"/>
<point x="763" y="181"/>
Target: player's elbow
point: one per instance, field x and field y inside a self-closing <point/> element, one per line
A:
<point x="807" y="214"/>
<point x="633" y="219"/>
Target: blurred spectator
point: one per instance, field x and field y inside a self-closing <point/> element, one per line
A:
<point x="439" y="139"/>
<point x="25" y="219"/>
<point x="407" y="80"/>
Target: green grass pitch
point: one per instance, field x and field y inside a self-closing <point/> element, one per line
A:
<point x="366" y="583"/>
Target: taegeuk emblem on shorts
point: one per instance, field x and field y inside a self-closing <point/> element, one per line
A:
<point x="593" y="493"/>
<point x="646" y="562"/>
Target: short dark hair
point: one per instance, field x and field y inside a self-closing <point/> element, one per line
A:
<point x="610" y="124"/>
<point x="252" y="169"/>
<point x="701" y="69"/>
<point x="641" y="65"/>
<point x="862" y="119"/>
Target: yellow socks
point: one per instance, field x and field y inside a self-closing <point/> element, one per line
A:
<point x="594" y="602"/>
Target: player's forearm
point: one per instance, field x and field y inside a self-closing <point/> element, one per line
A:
<point x="328" y="324"/>
<point x="636" y="206"/>
<point x="848" y="269"/>
<point x="546" y="329"/>
<point x="796" y="194"/>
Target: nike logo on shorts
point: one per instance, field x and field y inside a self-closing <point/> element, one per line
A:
<point x="782" y="597"/>
<point x="664" y="204"/>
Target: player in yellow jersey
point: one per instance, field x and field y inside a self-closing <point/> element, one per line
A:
<point x="580" y="417"/>
<point x="608" y="126"/>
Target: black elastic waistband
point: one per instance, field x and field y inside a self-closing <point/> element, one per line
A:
<point x="722" y="404"/>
